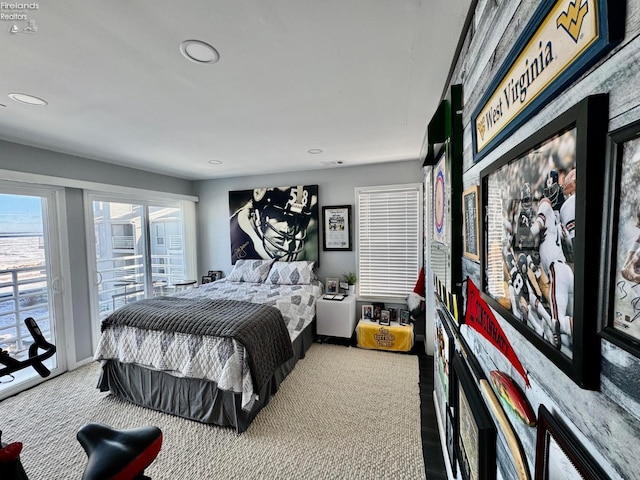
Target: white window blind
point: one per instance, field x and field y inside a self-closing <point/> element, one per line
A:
<point x="389" y="239"/>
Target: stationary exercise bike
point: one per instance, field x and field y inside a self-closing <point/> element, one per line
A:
<point x="112" y="453"/>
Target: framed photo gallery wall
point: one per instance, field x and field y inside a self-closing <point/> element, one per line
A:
<point x="540" y="247"/>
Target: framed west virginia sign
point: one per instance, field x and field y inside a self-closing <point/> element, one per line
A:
<point x="562" y="40"/>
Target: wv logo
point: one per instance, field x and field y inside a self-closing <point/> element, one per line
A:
<point x="572" y="19"/>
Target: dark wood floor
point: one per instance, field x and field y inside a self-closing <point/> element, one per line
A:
<point x="431" y="449"/>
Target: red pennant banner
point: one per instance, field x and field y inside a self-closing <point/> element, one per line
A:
<point x="480" y="317"/>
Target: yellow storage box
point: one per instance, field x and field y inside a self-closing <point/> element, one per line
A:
<point x="394" y="337"/>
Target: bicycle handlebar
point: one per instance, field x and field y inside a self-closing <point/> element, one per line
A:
<point x="35" y="360"/>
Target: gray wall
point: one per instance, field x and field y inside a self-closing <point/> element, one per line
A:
<point x="607" y="422"/>
<point x="21" y="158"/>
<point x="336" y="186"/>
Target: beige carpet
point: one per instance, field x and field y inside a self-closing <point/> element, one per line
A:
<point x="342" y="413"/>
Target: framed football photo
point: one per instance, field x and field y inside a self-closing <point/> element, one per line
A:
<point x="540" y="251"/>
<point x="622" y="316"/>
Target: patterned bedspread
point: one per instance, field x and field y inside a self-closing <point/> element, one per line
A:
<point x="222" y="360"/>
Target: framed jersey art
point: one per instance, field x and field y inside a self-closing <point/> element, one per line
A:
<point x="540" y="253"/>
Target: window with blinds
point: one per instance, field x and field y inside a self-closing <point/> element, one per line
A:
<point x="389" y="239"/>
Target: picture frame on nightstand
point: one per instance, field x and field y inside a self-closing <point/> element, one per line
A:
<point x="405" y="315"/>
<point x="385" y="317"/>
<point x="332" y="285"/>
<point x="367" y="312"/>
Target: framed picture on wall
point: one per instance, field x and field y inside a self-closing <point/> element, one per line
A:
<point x="443" y="387"/>
<point x="451" y="440"/>
<point x="336" y="231"/>
<point x="559" y="455"/>
<point x="475" y="445"/>
<point x="540" y="253"/>
<point x="443" y="355"/>
<point x="471" y="223"/>
<point x="440" y="192"/>
<point x="275" y="222"/>
<point x="622" y="317"/>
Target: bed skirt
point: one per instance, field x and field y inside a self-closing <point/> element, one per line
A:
<point x="192" y="398"/>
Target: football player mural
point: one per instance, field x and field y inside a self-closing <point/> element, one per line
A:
<point x="278" y="222"/>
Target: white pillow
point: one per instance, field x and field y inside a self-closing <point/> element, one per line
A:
<point x="255" y="271"/>
<point x="291" y="273"/>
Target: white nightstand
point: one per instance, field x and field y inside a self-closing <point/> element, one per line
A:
<point x="336" y="318"/>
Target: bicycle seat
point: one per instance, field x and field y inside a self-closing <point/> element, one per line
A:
<point x="118" y="454"/>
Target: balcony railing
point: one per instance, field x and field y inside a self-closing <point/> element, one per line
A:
<point x="23" y="293"/>
<point x="123" y="279"/>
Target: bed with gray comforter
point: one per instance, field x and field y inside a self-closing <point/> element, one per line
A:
<point x="214" y="354"/>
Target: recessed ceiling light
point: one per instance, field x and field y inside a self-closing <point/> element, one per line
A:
<point x="199" y="52"/>
<point x="28" y="99"/>
<point x="314" y="151"/>
<point x="215" y="162"/>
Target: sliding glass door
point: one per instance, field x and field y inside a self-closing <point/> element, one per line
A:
<point x="30" y="278"/>
<point x="139" y="251"/>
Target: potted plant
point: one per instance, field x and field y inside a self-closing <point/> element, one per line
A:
<point x="351" y="278"/>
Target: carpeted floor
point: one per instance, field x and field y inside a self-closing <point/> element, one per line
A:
<point x="342" y="413"/>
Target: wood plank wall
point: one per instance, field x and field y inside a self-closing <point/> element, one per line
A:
<point x="606" y="422"/>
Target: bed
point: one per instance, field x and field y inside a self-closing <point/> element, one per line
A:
<point x="216" y="353"/>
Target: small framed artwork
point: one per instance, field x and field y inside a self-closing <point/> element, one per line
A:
<point x="443" y="355"/>
<point x="367" y="312"/>
<point x="215" y="274"/>
<point x="541" y="248"/>
<point x="385" y="318"/>
<point x="440" y="193"/>
<point x="559" y="455"/>
<point x="622" y="317"/>
<point x="332" y="285"/>
<point x="471" y="223"/>
<point x="451" y="444"/>
<point x="393" y="314"/>
<point x="206" y="279"/>
<point x="377" y="310"/>
<point x="475" y="445"/>
<point x="405" y="315"/>
<point x="337" y="228"/>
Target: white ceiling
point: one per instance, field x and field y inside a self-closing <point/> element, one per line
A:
<point x="358" y="79"/>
